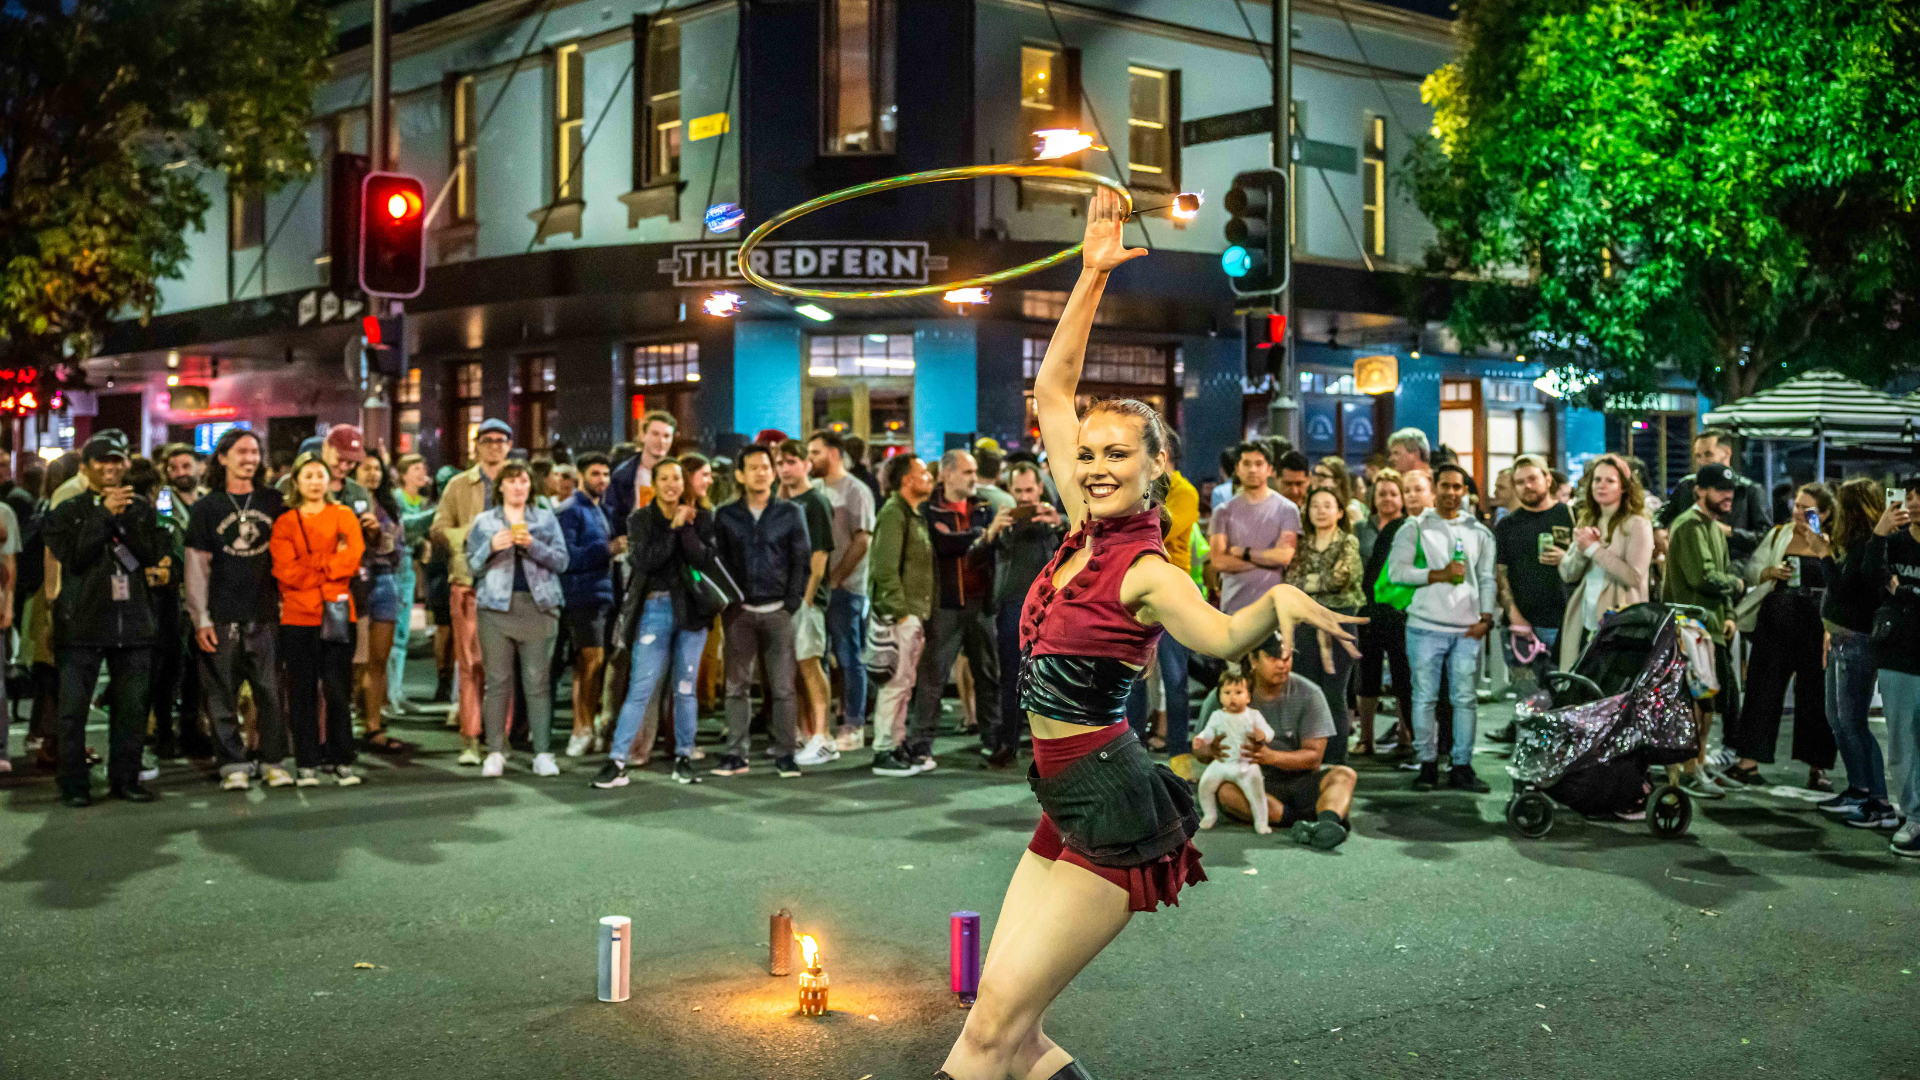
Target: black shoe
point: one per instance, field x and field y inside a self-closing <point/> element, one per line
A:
<point x="683" y="771"/>
<point x="612" y="775"/>
<point x="134" y="792"/>
<point x="731" y="765"/>
<point x="1463" y="779"/>
<point x="785" y="768"/>
<point x="77" y="799"/>
<point x="1504" y="735"/>
<point x="896" y="762"/>
<point x="1429" y="777"/>
<point x="1001" y="759"/>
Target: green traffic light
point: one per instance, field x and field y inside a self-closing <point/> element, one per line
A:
<point x="1236" y="261"/>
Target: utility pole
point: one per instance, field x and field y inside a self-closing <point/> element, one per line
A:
<point x="374" y="413"/>
<point x="1284" y="408"/>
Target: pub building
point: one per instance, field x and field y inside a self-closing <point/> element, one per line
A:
<point x="571" y="263"/>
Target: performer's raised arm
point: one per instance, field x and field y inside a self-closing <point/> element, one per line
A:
<point x="1059" y="375"/>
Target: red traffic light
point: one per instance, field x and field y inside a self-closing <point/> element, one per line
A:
<point x="392" y="235"/>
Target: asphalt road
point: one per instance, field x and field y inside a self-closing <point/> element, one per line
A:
<point x="216" y="935"/>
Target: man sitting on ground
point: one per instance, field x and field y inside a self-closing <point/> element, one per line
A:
<point x="1310" y="798"/>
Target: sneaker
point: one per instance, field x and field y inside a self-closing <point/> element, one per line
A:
<point x="308" y="778"/>
<point x="345" y="776"/>
<point x="149" y="773"/>
<point x="895" y="763"/>
<point x="134" y="792"/>
<point x="1429" y="777"/>
<point x="1906" y="842"/>
<point x="612" y="775"/>
<point x="1631" y="815"/>
<point x="850" y="739"/>
<point x="785" y="768"/>
<point x="925" y="763"/>
<point x="731" y="765"/>
<point x="234" y="781"/>
<point x="544" y="765"/>
<point x="1873" y="815"/>
<point x="818" y="751"/>
<point x="278" y="777"/>
<point x="577" y="746"/>
<point x="1722" y="758"/>
<point x="682" y="772"/>
<point x="698" y="754"/>
<point x="495" y="765"/>
<point x="1462" y="778"/>
<point x="1701" y="786"/>
<point x="471" y="755"/>
<point x="1844" y="803"/>
<point x="1319" y="835"/>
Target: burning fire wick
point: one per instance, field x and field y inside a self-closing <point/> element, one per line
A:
<point x="813" y="980"/>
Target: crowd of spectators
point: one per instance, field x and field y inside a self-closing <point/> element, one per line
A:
<point x="251" y="615"/>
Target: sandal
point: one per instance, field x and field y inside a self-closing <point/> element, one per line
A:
<point x="382" y="743"/>
<point x="1817" y="782"/>
<point x="1738" y="775"/>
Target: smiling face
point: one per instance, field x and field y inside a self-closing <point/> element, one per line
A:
<point x="1716" y="502"/>
<point x="367" y="473"/>
<point x="1449" y="492"/>
<point x="669" y="483"/>
<point x="242" y="459"/>
<point x="657" y="439"/>
<point x="1111" y="467"/>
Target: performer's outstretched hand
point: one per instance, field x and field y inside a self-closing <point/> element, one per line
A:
<point x="1105" y="243"/>
<point x="1293" y="607"/>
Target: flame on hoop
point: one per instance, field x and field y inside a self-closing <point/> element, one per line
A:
<point x="1050" y="143"/>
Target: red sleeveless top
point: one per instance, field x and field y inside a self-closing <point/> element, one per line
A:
<point x="1086" y="618"/>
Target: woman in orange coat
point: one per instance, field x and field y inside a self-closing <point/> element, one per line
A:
<point x="316" y="549"/>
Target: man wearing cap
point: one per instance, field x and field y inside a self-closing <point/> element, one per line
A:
<point x="1700" y="572"/>
<point x="103" y="539"/>
<point x="1746" y="523"/>
<point x="467" y="496"/>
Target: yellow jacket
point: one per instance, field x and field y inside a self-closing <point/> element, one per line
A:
<point x="1183" y="505"/>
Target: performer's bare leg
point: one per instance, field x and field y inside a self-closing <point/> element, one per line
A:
<point x="1071" y="914"/>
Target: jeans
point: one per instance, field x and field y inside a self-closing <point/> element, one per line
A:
<point x="950" y="632"/>
<point x="846" y="626"/>
<point x="523" y="633"/>
<point x="1170" y="658"/>
<point x="1850" y="678"/>
<point x="766" y="636"/>
<point x="1429" y="654"/>
<point x="1329" y="671"/>
<point x="1900" y="699"/>
<point x="317" y="669"/>
<point x="243" y="653"/>
<point x="404" y="582"/>
<point x="127" y="670"/>
<point x="890" y="704"/>
<point x="657" y="646"/>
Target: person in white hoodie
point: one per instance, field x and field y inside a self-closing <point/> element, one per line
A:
<point x="1448" y="557"/>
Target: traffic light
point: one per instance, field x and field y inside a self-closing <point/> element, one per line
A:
<point x="1267" y="341"/>
<point x="393" y="212"/>
<point x="1256" y="233"/>
<point x="386" y="344"/>
<point x="349" y="171"/>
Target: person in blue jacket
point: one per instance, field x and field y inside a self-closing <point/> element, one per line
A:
<point x="588" y="585"/>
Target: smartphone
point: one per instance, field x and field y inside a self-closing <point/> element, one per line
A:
<point x="1025" y="513"/>
<point x="1562" y="536"/>
<point x="163" y="502"/>
<point x="1813" y="520"/>
<point x="359" y="506"/>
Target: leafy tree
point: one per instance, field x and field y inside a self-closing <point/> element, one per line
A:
<point x="1726" y="189"/>
<point x="109" y="111"/>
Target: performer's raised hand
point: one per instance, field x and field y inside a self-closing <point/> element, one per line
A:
<point x="1105" y="242"/>
<point x="1292" y="607"/>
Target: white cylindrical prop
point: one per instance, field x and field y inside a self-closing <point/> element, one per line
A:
<point x="616" y="956"/>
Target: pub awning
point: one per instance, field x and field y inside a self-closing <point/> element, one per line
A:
<point x="1822" y="404"/>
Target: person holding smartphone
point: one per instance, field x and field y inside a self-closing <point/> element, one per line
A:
<point x="1780" y="616"/>
<point x="1025" y="536"/>
<point x="103" y="539"/>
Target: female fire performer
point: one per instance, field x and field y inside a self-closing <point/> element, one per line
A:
<point x="1114" y="837"/>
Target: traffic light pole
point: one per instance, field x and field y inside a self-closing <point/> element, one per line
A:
<point x="374" y="422"/>
<point x="1283" y="409"/>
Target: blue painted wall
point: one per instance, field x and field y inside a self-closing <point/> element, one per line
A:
<point x="945" y="390"/>
<point x="766" y="377"/>
<point x="1583" y="435"/>
<point x="1210" y="404"/>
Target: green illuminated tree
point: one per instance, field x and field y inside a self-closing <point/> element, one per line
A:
<point x="1726" y="189"/>
<point x="109" y="111"/>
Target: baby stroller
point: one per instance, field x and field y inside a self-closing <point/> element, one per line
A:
<point x="1588" y="739"/>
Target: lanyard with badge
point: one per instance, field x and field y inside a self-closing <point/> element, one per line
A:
<point x="122" y="583"/>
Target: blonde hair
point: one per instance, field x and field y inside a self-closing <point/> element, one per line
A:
<point x="1633" y="498"/>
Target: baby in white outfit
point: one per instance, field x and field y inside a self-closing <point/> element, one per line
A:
<point x="1227" y="732"/>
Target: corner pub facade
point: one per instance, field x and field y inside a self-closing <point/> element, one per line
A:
<point x="580" y="145"/>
